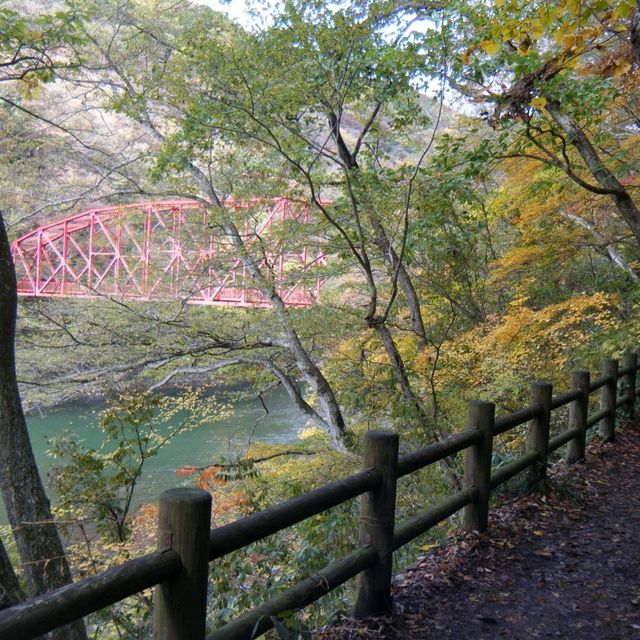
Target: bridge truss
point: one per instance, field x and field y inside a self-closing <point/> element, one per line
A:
<point x="169" y="251"/>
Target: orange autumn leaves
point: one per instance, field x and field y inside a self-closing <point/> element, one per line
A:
<point x="212" y="479"/>
<point x="207" y="475"/>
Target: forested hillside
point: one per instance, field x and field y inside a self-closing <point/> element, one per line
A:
<point x="471" y="174"/>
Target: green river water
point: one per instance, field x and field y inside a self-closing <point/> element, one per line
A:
<point x="205" y="445"/>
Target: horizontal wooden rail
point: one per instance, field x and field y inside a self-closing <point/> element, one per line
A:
<point x="562" y="438"/>
<point x="238" y="534"/>
<point x="624" y="400"/>
<point x="596" y="417"/>
<point x="258" y="620"/>
<point x="600" y="382"/>
<point x="420" y="524"/>
<point x="193" y="545"/>
<point x="411" y="462"/>
<point x="565" y="398"/>
<point x="502" y="474"/>
<point x="515" y="419"/>
<point x="37" y="616"/>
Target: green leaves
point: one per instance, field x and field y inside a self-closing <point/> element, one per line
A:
<point x="33" y="46"/>
<point x="100" y="483"/>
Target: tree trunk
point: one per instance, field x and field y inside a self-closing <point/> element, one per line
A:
<point x="447" y="464"/>
<point x="10" y="591"/>
<point x="41" y="552"/>
<point x="404" y="280"/>
<point x="400" y="373"/>
<point x="389" y="254"/>
<point x="634" y="34"/>
<point x="603" y="246"/>
<point x="605" y="178"/>
<point x="329" y="407"/>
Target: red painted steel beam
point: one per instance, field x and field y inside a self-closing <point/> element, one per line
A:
<point x="164" y="251"/>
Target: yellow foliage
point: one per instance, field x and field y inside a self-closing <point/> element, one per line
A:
<point x="563" y="31"/>
<point x="496" y="359"/>
<point x="539" y="103"/>
<point x="621" y="66"/>
<point x="489" y="46"/>
<point x="518" y="258"/>
<point x="555" y="329"/>
<point x="363" y="360"/>
<point x="311" y="433"/>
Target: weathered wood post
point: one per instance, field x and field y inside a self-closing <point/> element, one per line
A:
<point x="538" y="429"/>
<point x="608" y="396"/>
<point x="377" y="517"/>
<point x="477" y="464"/>
<point x="578" y="415"/>
<point x="630" y="361"/>
<point x="180" y="605"/>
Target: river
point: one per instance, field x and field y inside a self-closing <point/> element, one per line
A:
<point x="202" y="446"/>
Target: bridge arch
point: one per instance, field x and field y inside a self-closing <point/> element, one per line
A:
<point x="163" y="251"/>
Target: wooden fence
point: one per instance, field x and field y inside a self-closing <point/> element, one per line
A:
<point x="186" y="544"/>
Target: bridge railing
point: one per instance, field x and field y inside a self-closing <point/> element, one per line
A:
<point x="186" y="544"/>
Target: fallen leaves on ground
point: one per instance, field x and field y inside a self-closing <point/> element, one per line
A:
<point x="554" y="565"/>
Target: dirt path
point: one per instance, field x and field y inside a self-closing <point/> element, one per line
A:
<point x="562" y="565"/>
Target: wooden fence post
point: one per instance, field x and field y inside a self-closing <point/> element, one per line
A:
<point x="578" y="415"/>
<point x="538" y="429"/>
<point x="608" y="396"/>
<point x="477" y="464"/>
<point x="630" y="361"/>
<point x="180" y="605"/>
<point x="377" y="521"/>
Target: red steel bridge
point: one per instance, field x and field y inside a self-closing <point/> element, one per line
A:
<point x="168" y="251"/>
